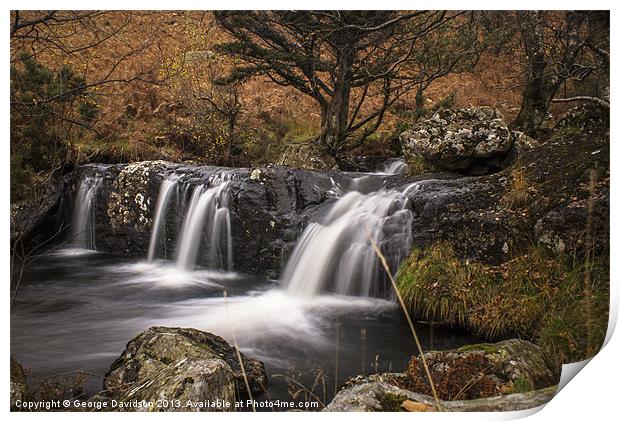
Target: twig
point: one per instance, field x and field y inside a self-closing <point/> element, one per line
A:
<point x="409" y="320"/>
<point x="245" y="377"/>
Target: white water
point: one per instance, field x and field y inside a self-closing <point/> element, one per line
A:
<point x="84" y="213"/>
<point x="168" y="187"/>
<point x="396" y="166"/>
<point x="336" y="254"/>
<point x="207" y="216"/>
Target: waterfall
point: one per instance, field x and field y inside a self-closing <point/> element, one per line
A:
<point x="84" y="213"/>
<point x="207" y="216"/>
<point x="168" y="187"/>
<point x="395" y="166"/>
<point x="336" y="254"/>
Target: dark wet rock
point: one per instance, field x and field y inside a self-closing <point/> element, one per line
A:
<point x="375" y="394"/>
<point x="269" y="208"/>
<point x="470" y="213"/>
<point x="585" y="117"/>
<point x="359" y="163"/>
<point x="35" y="223"/>
<point x="19" y="386"/>
<point x="564" y="230"/>
<point x="472" y="140"/>
<point x="181" y="364"/>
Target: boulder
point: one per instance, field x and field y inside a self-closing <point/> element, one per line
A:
<point x="509" y="375"/>
<point x="182" y="364"/>
<point x="483" y="370"/>
<point x="19" y="387"/>
<point x="375" y="394"/>
<point x="472" y="140"/>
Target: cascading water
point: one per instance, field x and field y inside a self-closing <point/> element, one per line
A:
<point x="84" y="213"/>
<point x="336" y="253"/>
<point x="395" y="166"/>
<point x="166" y="191"/>
<point x="207" y="216"/>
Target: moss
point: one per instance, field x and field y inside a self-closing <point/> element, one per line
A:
<point x="522" y="385"/>
<point x="166" y="360"/>
<point x="391" y="402"/>
<point x="419" y="166"/>
<point x="487" y="348"/>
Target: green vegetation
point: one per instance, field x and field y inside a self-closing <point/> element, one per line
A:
<point x="49" y="107"/>
<point x="536" y="296"/>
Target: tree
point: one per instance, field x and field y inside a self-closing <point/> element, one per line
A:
<point x="354" y="64"/>
<point x="556" y="46"/>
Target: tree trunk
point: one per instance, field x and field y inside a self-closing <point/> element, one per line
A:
<point x="543" y="81"/>
<point x="538" y="91"/>
<point x="335" y="117"/>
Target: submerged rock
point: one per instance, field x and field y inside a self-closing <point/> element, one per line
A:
<point x="19" y="387"/>
<point x="182" y="364"/>
<point x="472" y="140"/>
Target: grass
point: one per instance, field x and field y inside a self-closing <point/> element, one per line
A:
<point x="518" y="193"/>
<point x="537" y="296"/>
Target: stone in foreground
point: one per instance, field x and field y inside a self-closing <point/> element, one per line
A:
<point x="376" y="395"/>
<point x="19" y="387"/>
<point x="509" y="375"/>
<point x="182" y="364"/>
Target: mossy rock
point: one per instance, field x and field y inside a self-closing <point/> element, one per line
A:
<point x="483" y="370"/>
<point x="182" y="364"/>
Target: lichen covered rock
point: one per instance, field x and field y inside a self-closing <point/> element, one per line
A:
<point x="472" y="140"/>
<point x="130" y="202"/>
<point x="182" y="364"/>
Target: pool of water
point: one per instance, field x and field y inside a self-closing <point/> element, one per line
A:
<point x="76" y="310"/>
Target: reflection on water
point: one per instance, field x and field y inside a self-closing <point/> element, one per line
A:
<point x="76" y="311"/>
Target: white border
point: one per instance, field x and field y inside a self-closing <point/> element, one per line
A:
<point x="591" y="395"/>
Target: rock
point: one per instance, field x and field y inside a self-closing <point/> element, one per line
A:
<point x="362" y="163"/>
<point x="472" y="140"/>
<point x="509" y="375"/>
<point x="483" y="370"/>
<point x="585" y="117"/>
<point x="308" y="155"/>
<point x="35" y="223"/>
<point x="268" y="208"/>
<point x="19" y="386"/>
<point x="376" y="394"/>
<point x="469" y="214"/>
<point x="562" y="230"/>
<point x="181" y="364"/>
